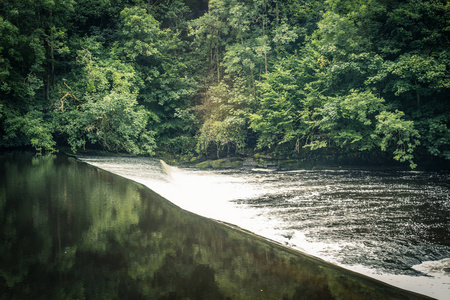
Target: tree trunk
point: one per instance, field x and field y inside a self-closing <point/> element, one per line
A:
<point x="265" y="50"/>
<point x="253" y="83"/>
<point x="52" y="55"/>
<point x="278" y="24"/>
<point x="217" y="61"/>
<point x="47" y="96"/>
<point x="417" y="94"/>
<point x="210" y="55"/>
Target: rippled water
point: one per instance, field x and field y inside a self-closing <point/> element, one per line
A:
<point x="390" y="221"/>
<point x="394" y="226"/>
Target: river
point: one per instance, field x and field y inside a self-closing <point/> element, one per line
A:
<point x="69" y="230"/>
<point x="390" y="225"/>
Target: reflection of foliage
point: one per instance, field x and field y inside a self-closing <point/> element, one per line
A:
<point x="70" y="231"/>
<point x="186" y="279"/>
<point x="111" y="211"/>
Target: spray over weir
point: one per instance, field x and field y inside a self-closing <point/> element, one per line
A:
<point x="165" y="167"/>
<point x="388" y="225"/>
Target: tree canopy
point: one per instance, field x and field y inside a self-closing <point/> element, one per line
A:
<point x="351" y="79"/>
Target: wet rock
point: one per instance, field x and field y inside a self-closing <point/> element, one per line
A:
<point x="224" y="163"/>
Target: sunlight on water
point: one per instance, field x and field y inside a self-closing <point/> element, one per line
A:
<point x="393" y="226"/>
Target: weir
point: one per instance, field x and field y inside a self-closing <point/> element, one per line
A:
<point x="78" y="231"/>
<point x="387" y="225"/>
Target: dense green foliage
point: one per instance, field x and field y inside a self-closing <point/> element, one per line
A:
<point x="354" y="79"/>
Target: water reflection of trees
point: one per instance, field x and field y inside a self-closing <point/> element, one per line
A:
<point x="70" y="231"/>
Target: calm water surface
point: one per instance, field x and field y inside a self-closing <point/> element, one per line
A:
<point x="394" y="226"/>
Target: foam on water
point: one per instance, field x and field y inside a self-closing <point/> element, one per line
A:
<point x="440" y="268"/>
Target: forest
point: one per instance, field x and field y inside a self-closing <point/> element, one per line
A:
<point x="338" y="80"/>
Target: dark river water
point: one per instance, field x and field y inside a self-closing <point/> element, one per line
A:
<point x="393" y="225"/>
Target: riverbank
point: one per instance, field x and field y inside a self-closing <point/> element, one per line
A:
<point x="262" y="161"/>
